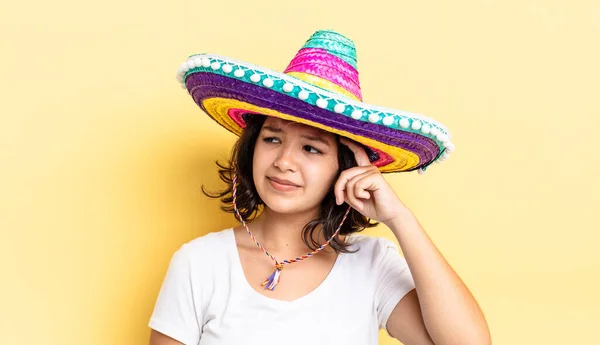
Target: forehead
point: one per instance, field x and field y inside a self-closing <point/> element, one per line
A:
<point x="285" y="124"/>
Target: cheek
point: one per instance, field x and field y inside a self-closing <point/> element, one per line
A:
<point x="259" y="159"/>
<point x="257" y="165"/>
<point x="323" y="176"/>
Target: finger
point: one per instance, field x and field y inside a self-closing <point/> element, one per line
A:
<point x="351" y="189"/>
<point x="362" y="159"/>
<point x="345" y="176"/>
<point x="354" y="189"/>
<point x="366" y="184"/>
<point x="351" y="199"/>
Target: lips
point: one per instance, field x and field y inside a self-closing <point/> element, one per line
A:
<point x="283" y="182"/>
<point x="282" y="185"/>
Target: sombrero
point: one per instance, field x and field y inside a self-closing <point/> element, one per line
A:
<point x="320" y="88"/>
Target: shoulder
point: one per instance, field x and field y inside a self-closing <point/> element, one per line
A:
<point x="221" y="237"/>
<point x="370" y="244"/>
<point x="370" y="248"/>
<point x="206" y="246"/>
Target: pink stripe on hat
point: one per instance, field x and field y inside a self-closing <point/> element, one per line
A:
<point x="320" y="63"/>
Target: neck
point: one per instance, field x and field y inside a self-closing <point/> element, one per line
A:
<point x="282" y="233"/>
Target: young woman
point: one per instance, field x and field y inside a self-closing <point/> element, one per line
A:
<point x="303" y="179"/>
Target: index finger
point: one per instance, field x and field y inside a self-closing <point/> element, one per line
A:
<point x="359" y="153"/>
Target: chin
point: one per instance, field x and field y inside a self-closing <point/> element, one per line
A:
<point x="286" y="205"/>
<point x="283" y="205"/>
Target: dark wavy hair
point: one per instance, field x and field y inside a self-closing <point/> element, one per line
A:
<point x="249" y="202"/>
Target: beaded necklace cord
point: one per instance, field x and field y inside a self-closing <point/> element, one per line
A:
<point x="271" y="282"/>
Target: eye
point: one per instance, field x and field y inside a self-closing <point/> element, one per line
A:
<point x="270" y="139"/>
<point x="312" y="150"/>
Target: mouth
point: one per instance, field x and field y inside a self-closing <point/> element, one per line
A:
<point x="283" y="186"/>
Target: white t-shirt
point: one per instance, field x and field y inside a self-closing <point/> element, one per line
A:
<point x="205" y="298"/>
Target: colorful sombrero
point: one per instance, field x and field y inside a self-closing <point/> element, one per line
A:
<point x="320" y="88"/>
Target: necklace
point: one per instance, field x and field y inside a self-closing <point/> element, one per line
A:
<point x="274" y="278"/>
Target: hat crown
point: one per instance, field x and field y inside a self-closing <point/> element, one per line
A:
<point x="328" y="60"/>
<point x="335" y="43"/>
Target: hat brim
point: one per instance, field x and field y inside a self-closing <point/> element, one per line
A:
<point x="225" y="95"/>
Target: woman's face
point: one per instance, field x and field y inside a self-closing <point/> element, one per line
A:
<point x="294" y="165"/>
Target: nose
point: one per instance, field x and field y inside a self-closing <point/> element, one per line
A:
<point x="285" y="160"/>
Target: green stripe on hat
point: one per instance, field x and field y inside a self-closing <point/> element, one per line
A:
<point x="335" y="43"/>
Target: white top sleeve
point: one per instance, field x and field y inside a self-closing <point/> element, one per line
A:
<point x="175" y="309"/>
<point x="394" y="281"/>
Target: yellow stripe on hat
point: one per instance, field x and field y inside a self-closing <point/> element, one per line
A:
<point x="323" y="84"/>
<point x="218" y="109"/>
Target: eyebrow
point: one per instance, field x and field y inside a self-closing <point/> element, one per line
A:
<point x="309" y="137"/>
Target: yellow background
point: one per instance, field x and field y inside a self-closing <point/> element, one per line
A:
<point x="102" y="153"/>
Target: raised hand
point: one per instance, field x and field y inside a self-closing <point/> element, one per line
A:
<point x="364" y="188"/>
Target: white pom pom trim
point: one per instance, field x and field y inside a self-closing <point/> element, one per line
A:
<point x="255" y="78"/>
<point x="339" y="108"/>
<point x="239" y="73"/>
<point x="303" y="95"/>
<point x="373" y="118"/>
<point x="287" y="87"/>
<point x="388" y="120"/>
<point x="322" y="103"/>
<point x="357" y="114"/>
<point x="268" y="82"/>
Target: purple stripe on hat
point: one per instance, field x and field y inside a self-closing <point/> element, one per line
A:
<point x="204" y="85"/>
